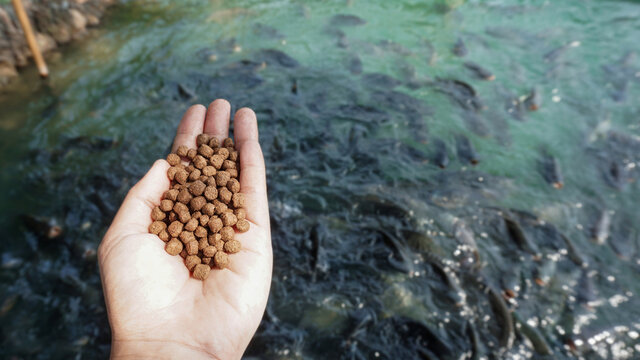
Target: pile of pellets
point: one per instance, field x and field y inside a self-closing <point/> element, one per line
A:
<point x="197" y="215"/>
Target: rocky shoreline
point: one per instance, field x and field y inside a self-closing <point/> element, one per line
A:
<point x="55" y="22"/>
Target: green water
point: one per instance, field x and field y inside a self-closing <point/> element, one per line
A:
<point x="119" y="83"/>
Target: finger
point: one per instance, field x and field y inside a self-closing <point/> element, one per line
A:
<point x="245" y="126"/>
<point x="134" y="216"/>
<point x="190" y="126"/>
<point x="252" y="174"/>
<point x="217" y="120"/>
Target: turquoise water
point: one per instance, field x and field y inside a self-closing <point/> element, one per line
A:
<point x="350" y="160"/>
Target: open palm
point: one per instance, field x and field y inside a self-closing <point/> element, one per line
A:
<point x="156" y="309"/>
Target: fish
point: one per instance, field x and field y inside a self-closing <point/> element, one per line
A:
<point x="466" y="151"/>
<point x="354" y="64"/>
<point x="476" y="348"/>
<point x="572" y="252"/>
<point x="267" y="31"/>
<point x="556" y="53"/>
<point x="427" y="341"/>
<point x="544" y="271"/>
<point x="45" y="227"/>
<point x="600" y="230"/>
<point x="225" y="15"/>
<point x="533" y="101"/>
<point x="346" y="20"/>
<point x="517" y="235"/>
<point x="379" y="80"/>
<point x="585" y="290"/>
<point x="479" y="71"/>
<point x="440" y="155"/>
<point x="317" y="234"/>
<point x="462" y="233"/>
<point x="459" y="48"/>
<point x="549" y="168"/>
<point x="501" y="310"/>
<point x="538" y="341"/>
<point x="276" y="57"/>
<point x="448" y="276"/>
<point x="461" y="92"/>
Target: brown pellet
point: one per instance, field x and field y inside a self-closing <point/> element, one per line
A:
<point x="196" y="215"/>
<point x="227" y="142"/>
<point x="216" y="161"/>
<point x="190" y="168"/>
<point x="210" y="192"/>
<point x="181" y="176"/>
<point x="227" y="233"/>
<point x="191" y="261"/>
<point x="207" y="260"/>
<point x="199" y="162"/>
<point x="222" y="177"/>
<point x="215" y="224"/>
<point x="221" y="260"/>
<point x="157" y="226"/>
<point x="192" y="153"/>
<point x="203" y="243"/>
<point x="200" y="232"/>
<point x="166" y="205"/>
<point x="197" y="187"/>
<point x="214" y="142"/>
<point x="204" y="219"/>
<point x="173" y="247"/>
<point x="211" y="181"/>
<point x="228" y="164"/>
<point x="238" y="200"/>
<point x="175" y="228"/>
<point x="194" y="175"/>
<point x="232" y="246"/>
<point x="233" y="155"/>
<point x="187" y="237"/>
<point x="224" y="195"/>
<point x="208" y="209"/>
<point x="202" y="139"/>
<point x="205" y="150"/>
<point x="173" y="159"/>
<point x="242" y="225"/>
<point x="172" y="217"/>
<point x="233" y="185"/>
<point x="182" y="150"/>
<point x="197" y="203"/>
<point x="164" y="235"/>
<point x="228" y="219"/>
<point x="240" y="213"/>
<point x="192" y="247"/>
<point x="201" y="271"/>
<point x="157" y="214"/>
<point x="171" y="194"/>
<point x="171" y="173"/>
<point x="221" y="207"/>
<point x="183" y="253"/>
<point x="191" y="225"/>
<point x="182" y="211"/>
<point x="209" y="251"/>
<point x="224" y="152"/>
<point x="184" y="196"/>
<point x="233" y="173"/>
<point x="208" y="170"/>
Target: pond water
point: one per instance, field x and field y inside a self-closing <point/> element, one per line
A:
<point x="524" y="244"/>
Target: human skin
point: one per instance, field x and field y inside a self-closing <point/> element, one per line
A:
<point x="156" y="309"/>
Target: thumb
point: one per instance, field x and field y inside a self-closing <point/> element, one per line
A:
<point x="134" y="216"/>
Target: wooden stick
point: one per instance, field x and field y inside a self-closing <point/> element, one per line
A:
<point x="31" y="39"/>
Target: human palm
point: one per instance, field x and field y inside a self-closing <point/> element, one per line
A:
<point x="156" y="309"/>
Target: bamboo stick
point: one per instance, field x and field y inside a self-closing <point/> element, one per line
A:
<point x="31" y="39"/>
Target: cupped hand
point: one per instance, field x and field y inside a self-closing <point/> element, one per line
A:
<point x="156" y="309"/>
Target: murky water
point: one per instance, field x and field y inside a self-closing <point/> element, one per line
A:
<point x="379" y="252"/>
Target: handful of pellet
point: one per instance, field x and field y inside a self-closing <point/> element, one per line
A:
<point x="197" y="215"/>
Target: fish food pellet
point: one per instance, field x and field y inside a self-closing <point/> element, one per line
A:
<point x="203" y="207"/>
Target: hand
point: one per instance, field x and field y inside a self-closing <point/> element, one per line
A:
<point x="156" y="309"/>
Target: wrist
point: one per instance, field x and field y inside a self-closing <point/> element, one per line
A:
<point x="157" y="349"/>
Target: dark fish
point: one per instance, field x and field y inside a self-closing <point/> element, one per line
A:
<point x="459" y="48"/>
<point x="505" y="320"/>
<point x="544" y="271"/>
<point x="533" y="101"/>
<point x="461" y="92"/>
<point x="617" y="175"/>
<point x="556" y="53"/>
<point x="479" y="71"/>
<point x="448" y="277"/>
<point x="346" y="20"/>
<point x="600" y="231"/>
<point x="475" y="123"/>
<point x="44" y="227"/>
<point x="276" y="57"/>
<point x="517" y="235"/>
<point x="186" y="93"/>
<point x="538" y="341"/>
<point x="572" y="252"/>
<point x="476" y="348"/>
<point x="440" y="155"/>
<point x="550" y="170"/>
<point x="317" y="234"/>
<point x="393" y="46"/>
<point x="462" y="233"/>
<point x="466" y="151"/>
